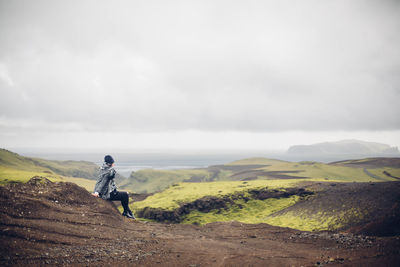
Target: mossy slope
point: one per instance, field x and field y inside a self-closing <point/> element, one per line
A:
<point x="17" y="168"/>
<point x="331" y="206"/>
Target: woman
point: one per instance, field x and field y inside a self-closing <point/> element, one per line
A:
<point x="106" y="189"/>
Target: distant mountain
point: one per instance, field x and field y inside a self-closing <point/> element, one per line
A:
<point x="344" y="147"/>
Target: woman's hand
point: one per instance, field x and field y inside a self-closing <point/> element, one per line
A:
<point x="95" y="194"/>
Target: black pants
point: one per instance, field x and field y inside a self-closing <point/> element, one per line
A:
<point x="123" y="196"/>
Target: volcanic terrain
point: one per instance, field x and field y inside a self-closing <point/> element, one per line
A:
<point x="42" y="222"/>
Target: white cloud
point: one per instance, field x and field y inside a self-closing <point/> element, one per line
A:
<point x="5" y="76"/>
<point x="210" y="66"/>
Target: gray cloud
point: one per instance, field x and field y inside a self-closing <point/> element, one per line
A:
<point x="205" y="65"/>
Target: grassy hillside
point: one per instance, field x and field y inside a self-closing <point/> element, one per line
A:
<point x="83" y="169"/>
<point x="342" y="194"/>
<point x="309" y="206"/>
<point x="177" y="194"/>
<point x="148" y="181"/>
<point x="345" y="171"/>
<point x="17" y="168"/>
<point x="242" y="205"/>
<point x="381" y="167"/>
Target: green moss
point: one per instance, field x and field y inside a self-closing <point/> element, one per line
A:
<point x="316" y="222"/>
<point x="252" y="211"/>
<point x="272" y="211"/>
<point x="170" y="198"/>
<point x="9" y="175"/>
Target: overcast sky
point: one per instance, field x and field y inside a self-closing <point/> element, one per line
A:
<point x="185" y="74"/>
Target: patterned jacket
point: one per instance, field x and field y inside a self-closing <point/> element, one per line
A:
<point x="105" y="183"/>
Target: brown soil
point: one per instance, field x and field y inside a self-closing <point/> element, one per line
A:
<point x="378" y="202"/>
<point x="62" y="224"/>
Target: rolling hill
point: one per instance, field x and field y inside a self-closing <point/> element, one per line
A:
<point x="301" y="195"/>
<point x="293" y="203"/>
<point x="149" y="181"/>
<point x="17" y="168"/>
<point x="308" y="196"/>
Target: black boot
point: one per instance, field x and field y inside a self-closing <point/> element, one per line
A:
<point x="128" y="214"/>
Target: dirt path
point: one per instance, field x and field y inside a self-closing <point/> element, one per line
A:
<point x="61" y="223"/>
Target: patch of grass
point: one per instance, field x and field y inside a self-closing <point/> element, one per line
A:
<point x="344" y="174"/>
<point x="379" y="172"/>
<point x="274" y="211"/>
<point x="82" y="169"/>
<point x="177" y="194"/>
<point x="257" y="161"/>
<point x="9" y="175"/>
<point x="17" y="168"/>
<point x="317" y="222"/>
<point x="318" y="170"/>
<point x="321" y="221"/>
<point x="252" y="211"/>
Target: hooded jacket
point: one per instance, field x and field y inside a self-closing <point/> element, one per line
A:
<point x="105" y="183"/>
